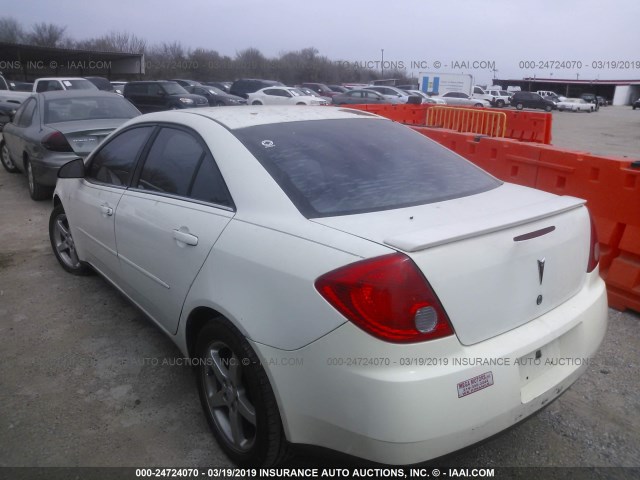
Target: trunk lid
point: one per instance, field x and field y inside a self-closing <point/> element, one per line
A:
<point x="84" y="136"/>
<point x="496" y="260"/>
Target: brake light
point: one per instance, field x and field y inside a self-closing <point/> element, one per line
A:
<point x="387" y="297"/>
<point x="56" y="142"/>
<point x="594" y="249"/>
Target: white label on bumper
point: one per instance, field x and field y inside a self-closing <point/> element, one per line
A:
<point x="475" y="384"/>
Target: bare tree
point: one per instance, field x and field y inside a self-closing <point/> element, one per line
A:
<point x="115" y="42"/>
<point x="46" y="34"/>
<point x="10" y="30"/>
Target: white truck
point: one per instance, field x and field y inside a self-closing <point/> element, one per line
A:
<point x="436" y="83"/>
<point x="482" y="94"/>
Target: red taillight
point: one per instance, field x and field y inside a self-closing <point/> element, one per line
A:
<point x="387" y="297"/>
<point x="594" y="249"/>
<point x="56" y="142"/>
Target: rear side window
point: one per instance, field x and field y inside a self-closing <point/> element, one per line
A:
<point x="115" y="161"/>
<point x="178" y="164"/>
<point x="349" y="166"/>
<point x="26" y="116"/>
<point x="171" y="163"/>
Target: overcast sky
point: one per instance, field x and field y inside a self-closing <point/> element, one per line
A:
<point x="500" y="33"/>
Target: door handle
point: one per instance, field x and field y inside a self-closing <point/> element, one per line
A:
<point x="106" y="209"/>
<point x="185" y="237"/>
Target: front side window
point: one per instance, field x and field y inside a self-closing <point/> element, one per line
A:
<point x="115" y="161"/>
<point x="348" y="166"/>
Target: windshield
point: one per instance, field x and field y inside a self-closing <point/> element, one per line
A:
<point x="80" y="84"/>
<point x="88" y="108"/>
<point x="348" y="166"/>
<point x="173" y="88"/>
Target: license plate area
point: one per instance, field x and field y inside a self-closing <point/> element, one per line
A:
<point x="546" y="367"/>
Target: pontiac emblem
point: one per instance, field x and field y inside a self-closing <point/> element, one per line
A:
<point x="541" y="269"/>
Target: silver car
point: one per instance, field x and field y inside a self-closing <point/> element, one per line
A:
<point x="51" y="128"/>
<point x="461" y="98"/>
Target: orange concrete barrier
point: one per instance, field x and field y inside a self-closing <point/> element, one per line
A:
<point x="519" y="125"/>
<point x="611" y="187"/>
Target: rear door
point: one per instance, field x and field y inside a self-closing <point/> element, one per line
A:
<point x="15" y="132"/>
<point x="168" y="221"/>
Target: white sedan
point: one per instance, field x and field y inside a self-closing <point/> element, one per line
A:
<point x="461" y="98"/>
<point x="575" y="105"/>
<point x="283" y="96"/>
<point x="337" y="279"/>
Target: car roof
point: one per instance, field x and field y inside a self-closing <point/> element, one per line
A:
<point x="236" y="117"/>
<point x="55" y="94"/>
<point x="61" y="78"/>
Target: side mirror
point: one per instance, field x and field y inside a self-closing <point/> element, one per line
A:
<point x="72" y="169"/>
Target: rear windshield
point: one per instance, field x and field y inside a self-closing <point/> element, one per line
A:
<point x="348" y="166"/>
<point x="88" y="108"/>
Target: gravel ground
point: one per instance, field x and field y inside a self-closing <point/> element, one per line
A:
<point x="74" y="392"/>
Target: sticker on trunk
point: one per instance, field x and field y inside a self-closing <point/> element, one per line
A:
<point x="475" y="384"/>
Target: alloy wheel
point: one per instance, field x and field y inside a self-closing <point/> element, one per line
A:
<point x="226" y="395"/>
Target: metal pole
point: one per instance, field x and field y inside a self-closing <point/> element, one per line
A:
<point x="382" y="63"/>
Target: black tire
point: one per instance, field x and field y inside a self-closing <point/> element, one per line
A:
<point x="63" y="245"/>
<point x="500" y="103"/>
<point x="256" y="102"/>
<point x="258" y="444"/>
<point x="5" y="158"/>
<point x="478" y="105"/>
<point x="300" y="103"/>
<point x="220" y="104"/>
<point x="547" y="108"/>
<point x="36" y="190"/>
<point x="519" y="106"/>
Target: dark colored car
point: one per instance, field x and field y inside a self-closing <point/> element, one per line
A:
<point x="157" y="95"/>
<point x="320" y="88"/>
<point x="215" y="96"/>
<point x="102" y="84"/>
<point x="184" y="82"/>
<point x="359" y="97"/>
<point x="522" y="100"/>
<point x="602" y="102"/>
<point x="224" y="86"/>
<point x="338" y="88"/>
<point x="636" y="104"/>
<point x="244" y="86"/>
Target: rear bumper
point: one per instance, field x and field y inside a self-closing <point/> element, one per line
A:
<point x="403" y="404"/>
<point x="46" y="172"/>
